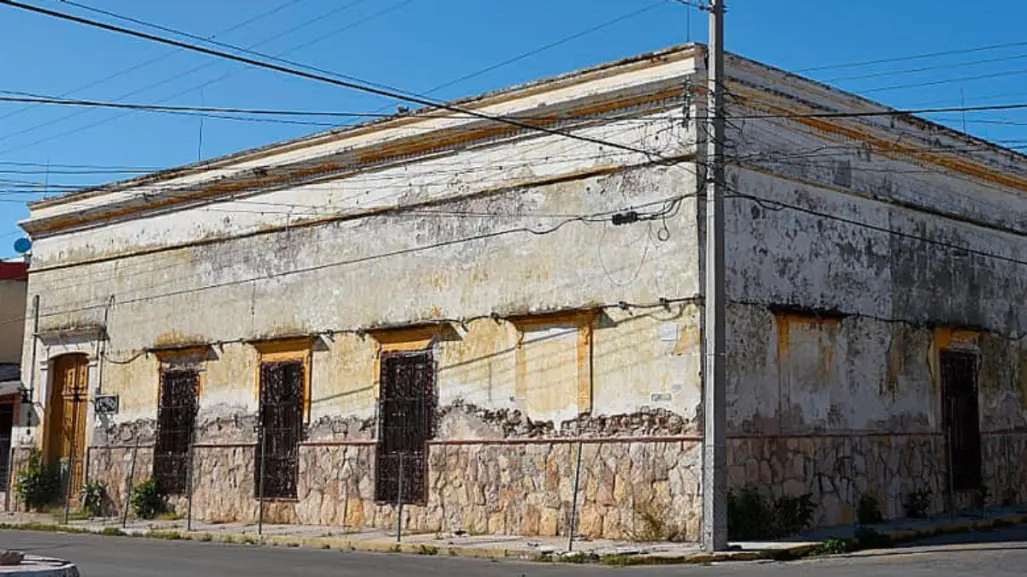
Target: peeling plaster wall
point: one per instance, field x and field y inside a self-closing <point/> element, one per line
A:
<point x="509" y="398"/>
<point x="834" y="328"/>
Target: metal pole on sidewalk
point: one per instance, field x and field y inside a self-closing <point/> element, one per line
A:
<point x="399" y="502"/>
<point x="263" y="449"/>
<point x="75" y="400"/>
<point x="189" y="488"/>
<point x="948" y="456"/>
<point x="131" y="477"/>
<point x="574" y="503"/>
<point x="714" y="480"/>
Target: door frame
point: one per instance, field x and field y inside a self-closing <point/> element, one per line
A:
<point x="79" y="430"/>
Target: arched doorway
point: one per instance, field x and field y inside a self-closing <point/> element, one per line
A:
<point x="66" y="418"/>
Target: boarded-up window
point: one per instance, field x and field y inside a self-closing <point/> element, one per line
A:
<point x="406" y="422"/>
<point x="554" y="365"/>
<point x="961" y="417"/>
<point x="281" y="426"/>
<point x="176" y="419"/>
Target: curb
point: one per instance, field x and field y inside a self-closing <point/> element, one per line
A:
<point x="782" y="554"/>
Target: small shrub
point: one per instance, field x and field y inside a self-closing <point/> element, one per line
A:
<point x="94" y="497"/>
<point x="37" y="485"/>
<point x="868" y="512"/>
<point x="793" y="514"/>
<point x="751" y="516"/>
<point x="748" y="514"/>
<point x="326" y="546"/>
<point x="112" y="532"/>
<point x="206" y="538"/>
<point x="835" y="546"/>
<point x="428" y="550"/>
<point x="918" y="503"/>
<point x="167" y="535"/>
<point x="394" y="549"/>
<point x="147" y="499"/>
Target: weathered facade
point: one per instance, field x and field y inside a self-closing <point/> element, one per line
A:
<point x="442" y="309"/>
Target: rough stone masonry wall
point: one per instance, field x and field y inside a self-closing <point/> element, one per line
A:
<point x="521" y="484"/>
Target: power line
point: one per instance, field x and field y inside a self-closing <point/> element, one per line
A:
<point x="550" y="46"/>
<point x="41" y="99"/>
<point x="218" y="112"/>
<point x="947" y="81"/>
<point x="352" y="84"/>
<point x="320" y="18"/>
<point x="890" y="112"/>
<point x="927" y="68"/>
<point x="135" y="67"/>
<point x="914" y="57"/>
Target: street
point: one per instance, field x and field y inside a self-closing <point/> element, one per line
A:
<point x="993" y="553"/>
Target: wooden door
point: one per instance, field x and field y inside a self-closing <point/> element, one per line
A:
<point x="66" y="421"/>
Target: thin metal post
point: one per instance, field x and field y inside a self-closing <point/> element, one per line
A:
<point x="399" y="502"/>
<point x="714" y="485"/>
<point x="263" y="450"/>
<point x="948" y="457"/>
<point x="71" y="458"/>
<point x="131" y="478"/>
<point x="9" y="486"/>
<point x="189" y="488"/>
<point x="35" y="336"/>
<point x="574" y="503"/>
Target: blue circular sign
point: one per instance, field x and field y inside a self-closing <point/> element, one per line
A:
<point x="22" y="245"/>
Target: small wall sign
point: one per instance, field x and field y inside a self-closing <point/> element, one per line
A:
<point x="106" y="404"/>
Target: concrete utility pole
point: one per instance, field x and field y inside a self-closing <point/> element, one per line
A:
<point x="714" y="513"/>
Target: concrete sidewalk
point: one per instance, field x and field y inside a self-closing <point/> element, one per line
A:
<point x="512" y="547"/>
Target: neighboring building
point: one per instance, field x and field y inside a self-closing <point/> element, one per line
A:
<point x="476" y="300"/>
<point x="13" y="284"/>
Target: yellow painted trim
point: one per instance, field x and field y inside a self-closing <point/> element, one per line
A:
<point x="584" y="320"/>
<point x="291" y="349"/>
<point x="945" y="338"/>
<point x="400" y="339"/>
<point x="883" y="146"/>
<point x="165" y="355"/>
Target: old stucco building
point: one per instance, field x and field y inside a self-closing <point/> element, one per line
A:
<point x="479" y="298"/>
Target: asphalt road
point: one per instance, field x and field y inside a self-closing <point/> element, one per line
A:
<point x="996" y="553"/>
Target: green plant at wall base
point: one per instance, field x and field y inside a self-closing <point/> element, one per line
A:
<point x="37" y="485"/>
<point x="147" y="499"/>
<point x="918" y="503"/>
<point x="751" y="515"/>
<point x="94" y="496"/>
<point x="793" y="514"/>
<point x="868" y="512"/>
<point x="835" y="546"/>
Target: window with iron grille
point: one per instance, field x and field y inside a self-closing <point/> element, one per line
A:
<point x="406" y="414"/>
<point x="961" y="418"/>
<point x="281" y="423"/>
<point x="176" y="419"/>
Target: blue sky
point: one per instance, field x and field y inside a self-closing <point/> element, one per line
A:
<point x="418" y="45"/>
